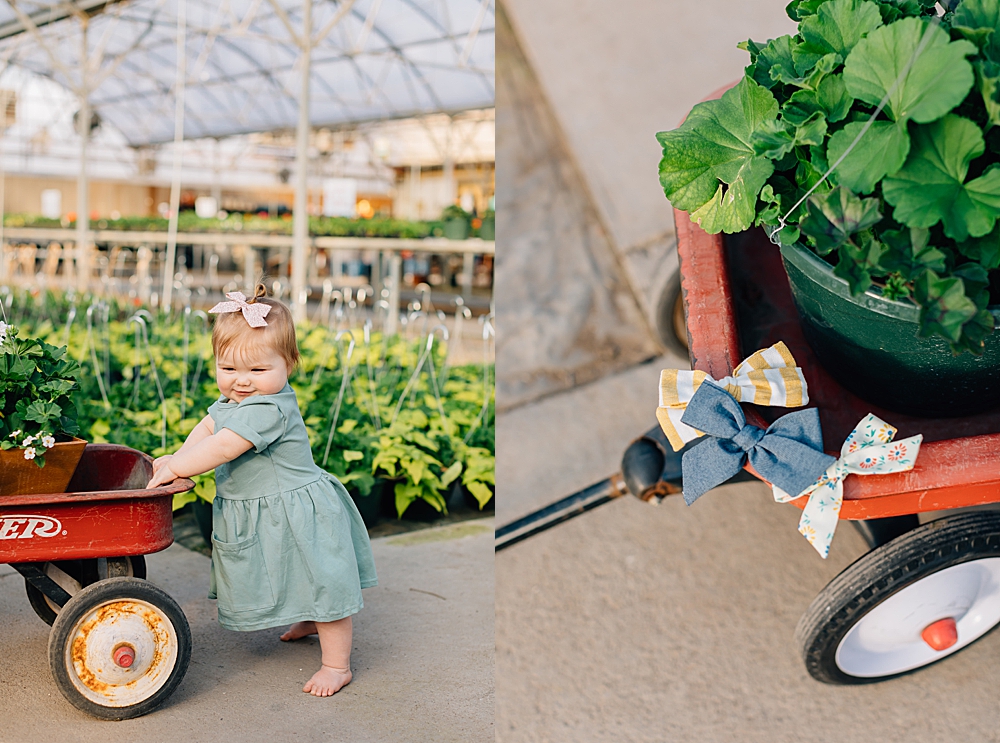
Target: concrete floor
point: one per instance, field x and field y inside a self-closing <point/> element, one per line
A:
<point x="672" y="623"/>
<point x="423" y="659"/>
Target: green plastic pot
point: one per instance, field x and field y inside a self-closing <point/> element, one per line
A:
<point x="456" y="229"/>
<point x="369" y="506"/>
<point x="487" y="231"/>
<point x="870" y="345"/>
<point x="202" y="510"/>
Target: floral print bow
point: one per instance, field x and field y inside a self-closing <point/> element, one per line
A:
<point x="253" y="313"/>
<point x="868" y="450"/>
<point x="768" y="377"/>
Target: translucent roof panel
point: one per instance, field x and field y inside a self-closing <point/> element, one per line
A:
<point x="383" y="59"/>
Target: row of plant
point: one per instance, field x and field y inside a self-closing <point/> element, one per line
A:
<point x="188" y="221"/>
<point x="401" y="419"/>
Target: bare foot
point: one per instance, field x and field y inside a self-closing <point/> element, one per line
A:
<point x="299" y="630"/>
<point x="327" y="681"/>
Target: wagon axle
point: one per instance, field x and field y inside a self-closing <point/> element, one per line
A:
<point x="940" y="635"/>
<point x="124" y="656"/>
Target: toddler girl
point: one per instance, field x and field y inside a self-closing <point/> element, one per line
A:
<point x="289" y="545"/>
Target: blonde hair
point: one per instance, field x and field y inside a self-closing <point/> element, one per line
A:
<point x="232" y="331"/>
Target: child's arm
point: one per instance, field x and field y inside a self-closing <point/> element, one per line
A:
<point x="204" y="429"/>
<point x="209" y="453"/>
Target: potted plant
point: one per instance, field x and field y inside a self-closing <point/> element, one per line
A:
<point x="478" y="478"/>
<point x="456" y="222"/>
<point x="408" y="456"/>
<point x="487" y="229"/>
<point x="38" y="450"/>
<point x="866" y="146"/>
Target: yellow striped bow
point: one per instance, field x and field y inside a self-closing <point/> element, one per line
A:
<point x="769" y="377"/>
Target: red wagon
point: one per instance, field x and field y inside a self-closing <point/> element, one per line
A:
<point x="119" y="646"/>
<point x="872" y="621"/>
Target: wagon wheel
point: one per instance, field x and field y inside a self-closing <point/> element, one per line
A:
<point x="72" y="575"/>
<point x="907" y="604"/>
<point x="119" y="648"/>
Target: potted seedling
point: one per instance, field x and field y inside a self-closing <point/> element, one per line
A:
<point x="456" y="222"/>
<point x="866" y="145"/>
<point x="38" y="449"/>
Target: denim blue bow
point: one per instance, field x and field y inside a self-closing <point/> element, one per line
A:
<point x="790" y="451"/>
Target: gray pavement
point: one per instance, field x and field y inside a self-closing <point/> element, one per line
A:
<point x="672" y="623"/>
<point x="423" y="659"/>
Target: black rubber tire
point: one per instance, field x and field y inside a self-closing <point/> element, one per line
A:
<point x="879" y="574"/>
<point x="670" y="321"/>
<point x="78" y="607"/>
<point x="86" y="572"/>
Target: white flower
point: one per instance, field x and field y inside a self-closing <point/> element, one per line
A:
<point x="3" y="331"/>
<point x="28" y="440"/>
<point x="29" y="453"/>
<point x="48" y="441"/>
<point x="16" y="433"/>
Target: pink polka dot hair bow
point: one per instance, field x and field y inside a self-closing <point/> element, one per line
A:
<point x="253" y="313"/>
<point x="868" y="450"/>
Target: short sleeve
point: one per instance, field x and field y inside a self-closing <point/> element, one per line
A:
<point x="261" y="424"/>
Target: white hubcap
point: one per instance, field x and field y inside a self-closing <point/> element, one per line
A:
<point x="887" y="639"/>
<point x="90" y="652"/>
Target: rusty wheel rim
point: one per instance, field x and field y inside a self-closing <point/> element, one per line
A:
<point x="95" y="660"/>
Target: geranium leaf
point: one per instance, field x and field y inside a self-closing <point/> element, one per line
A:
<point x="800" y="9"/>
<point x="859" y="261"/>
<point x="709" y="168"/>
<point x="931" y="186"/>
<point x="944" y="308"/>
<point x="774" y="62"/>
<point x="985" y="250"/>
<point x="988" y="82"/>
<point x="937" y="81"/>
<point x="833" y="217"/>
<point x="831" y="98"/>
<point x="775" y="139"/>
<point x="908" y="254"/>
<point x="840" y="24"/>
<point x="978" y="21"/>
<point x="881" y="150"/>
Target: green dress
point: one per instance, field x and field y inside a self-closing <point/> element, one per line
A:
<point x="289" y="544"/>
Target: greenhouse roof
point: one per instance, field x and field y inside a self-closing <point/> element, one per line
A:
<point x="371" y="60"/>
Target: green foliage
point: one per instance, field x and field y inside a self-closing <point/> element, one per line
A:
<point x="423" y="452"/>
<point x="190" y="222"/>
<point x="886" y="99"/>
<point x="37" y="385"/>
<point x="709" y="166"/>
<point x="931" y="187"/>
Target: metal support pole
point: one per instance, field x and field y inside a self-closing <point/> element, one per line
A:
<point x="414" y="191"/>
<point x="82" y="200"/>
<point x="175" y="181"/>
<point x="300" y="226"/>
<point x="376" y="278"/>
<point x="249" y="271"/>
<point x="3" y="184"/>
<point x="468" y="259"/>
<point x="395" y="279"/>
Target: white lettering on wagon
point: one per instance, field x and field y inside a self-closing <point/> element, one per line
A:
<point x="26" y="526"/>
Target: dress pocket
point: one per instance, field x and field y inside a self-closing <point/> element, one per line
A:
<point x="242" y="582"/>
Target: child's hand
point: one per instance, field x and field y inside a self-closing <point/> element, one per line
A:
<point x="162" y="476"/>
<point x="160" y="461"/>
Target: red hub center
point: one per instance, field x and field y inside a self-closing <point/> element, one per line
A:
<point x="940" y="635"/>
<point x="124" y="656"/>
